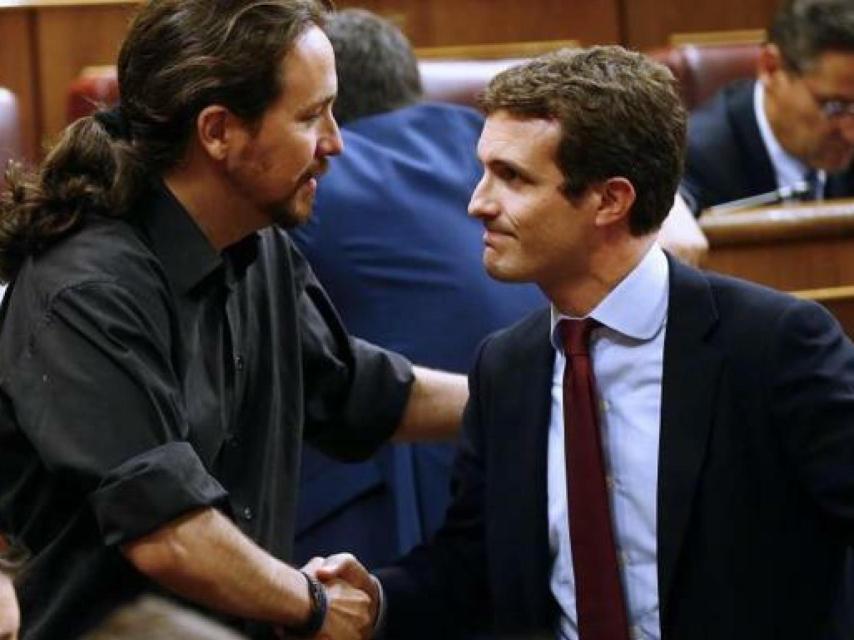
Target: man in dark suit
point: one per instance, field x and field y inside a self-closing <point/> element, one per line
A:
<point x="391" y="242"/>
<point x="664" y="454"/>
<point x="792" y="129"/>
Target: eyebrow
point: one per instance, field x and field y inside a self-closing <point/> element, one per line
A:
<point x="320" y="102"/>
<point x="508" y="164"/>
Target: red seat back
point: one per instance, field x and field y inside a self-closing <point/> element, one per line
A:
<point x="702" y="70"/>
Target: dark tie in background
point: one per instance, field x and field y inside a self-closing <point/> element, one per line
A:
<point x="813" y="192"/>
<point x="600" y="604"/>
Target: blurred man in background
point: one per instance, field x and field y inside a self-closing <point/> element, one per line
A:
<point x="791" y="130"/>
<point x="393" y="245"/>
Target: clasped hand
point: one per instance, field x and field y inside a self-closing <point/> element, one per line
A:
<point x="352" y="596"/>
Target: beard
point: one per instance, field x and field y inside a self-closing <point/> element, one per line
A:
<point x="288" y="214"/>
<point x="296" y="207"/>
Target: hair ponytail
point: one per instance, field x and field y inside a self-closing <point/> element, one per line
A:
<point x="87" y="172"/>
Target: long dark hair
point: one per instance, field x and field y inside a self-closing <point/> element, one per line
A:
<point x="179" y="57"/>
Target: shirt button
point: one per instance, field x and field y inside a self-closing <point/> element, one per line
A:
<point x="609" y="482"/>
<point x="239" y="364"/>
<point x="247" y="513"/>
<point x="637" y="634"/>
<point x="606" y="406"/>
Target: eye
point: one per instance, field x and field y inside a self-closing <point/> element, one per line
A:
<point x="507" y="173"/>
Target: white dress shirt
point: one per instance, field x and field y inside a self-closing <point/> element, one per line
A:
<point x="627" y="354"/>
<point x="787" y="168"/>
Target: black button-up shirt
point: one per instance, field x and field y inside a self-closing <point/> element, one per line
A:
<point x="143" y="375"/>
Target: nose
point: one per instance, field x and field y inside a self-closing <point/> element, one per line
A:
<point x="330" y="143"/>
<point x="482" y="205"/>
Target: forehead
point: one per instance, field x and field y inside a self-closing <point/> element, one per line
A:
<point x="308" y="70"/>
<point x="833" y="74"/>
<point x="524" y="141"/>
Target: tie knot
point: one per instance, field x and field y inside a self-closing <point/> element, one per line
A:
<point x="576" y="336"/>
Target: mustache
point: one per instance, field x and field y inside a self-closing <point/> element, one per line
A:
<point x="315" y="171"/>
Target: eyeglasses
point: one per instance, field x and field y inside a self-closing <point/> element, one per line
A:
<point x="836" y="108"/>
<point x="831" y="108"/>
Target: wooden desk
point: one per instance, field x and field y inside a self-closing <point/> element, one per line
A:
<point x="793" y="247"/>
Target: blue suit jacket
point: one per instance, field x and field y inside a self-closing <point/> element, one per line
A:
<point x="726" y="157"/>
<point x="393" y="245"/>
<point x="755" y="506"/>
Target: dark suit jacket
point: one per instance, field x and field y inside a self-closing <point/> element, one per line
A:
<point x="726" y="157"/>
<point x="392" y="243"/>
<point x="756" y="478"/>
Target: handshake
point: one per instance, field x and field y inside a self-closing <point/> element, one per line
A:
<point x="352" y="597"/>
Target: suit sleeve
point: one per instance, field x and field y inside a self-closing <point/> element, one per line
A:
<point x="440" y="589"/>
<point x="355" y="392"/>
<point x="813" y="397"/>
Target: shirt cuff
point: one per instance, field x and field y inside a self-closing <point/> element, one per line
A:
<point x="379" y="623"/>
<point x="152" y="489"/>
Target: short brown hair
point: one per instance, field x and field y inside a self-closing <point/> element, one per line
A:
<point x="152" y="617"/>
<point x="804" y="29"/>
<point x="620" y="115"/>
<point x="377" y="68"/>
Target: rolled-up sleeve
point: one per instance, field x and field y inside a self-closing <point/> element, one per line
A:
<point x="152" y="488"/>
<point x="355" y="392"/>
<point x="100" y="402"/>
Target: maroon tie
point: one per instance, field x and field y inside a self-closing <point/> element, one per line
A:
<point x="599" y="599"/>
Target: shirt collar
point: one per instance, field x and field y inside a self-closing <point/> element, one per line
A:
<point x="788" y="169"/>
<point x="636" y="307"/>
<point x="185" y="253"/>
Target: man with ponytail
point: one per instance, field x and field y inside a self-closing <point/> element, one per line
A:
<point x="163" y="347"/>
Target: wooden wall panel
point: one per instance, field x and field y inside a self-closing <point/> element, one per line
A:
<point x="68" y="39"/>
<point x="45" y="43"/>
<point x="649" y="23"/>
<point x="455" y="22"/>
<point x="18" y="73"/>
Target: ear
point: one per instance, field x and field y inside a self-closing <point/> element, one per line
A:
<point x="616" y="197"/>
<point x="769" y="63"/>
<point x="217" y="130"/>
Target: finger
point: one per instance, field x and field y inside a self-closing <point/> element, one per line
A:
<point x="311" y="567"/>
<point x="343" y="565"/>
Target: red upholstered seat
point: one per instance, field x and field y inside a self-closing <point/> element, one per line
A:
<point x="460" y="81"/>
<point x="700" y="69"/>
<point x="457" y="81"/>
<point x="94" y="87"/>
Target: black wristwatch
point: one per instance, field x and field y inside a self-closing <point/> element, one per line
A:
<point x="317" y="596"/>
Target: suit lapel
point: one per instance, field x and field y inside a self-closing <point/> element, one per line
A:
<point x="525" y="410"/>
<point x="692" y="366"/>
<point x="759" y="174"/>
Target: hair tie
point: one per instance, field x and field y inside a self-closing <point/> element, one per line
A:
<point x="114" y="122"/>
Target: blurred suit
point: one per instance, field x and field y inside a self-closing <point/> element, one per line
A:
<point x="726" y="157"/>
<point x="391" y="241"/>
